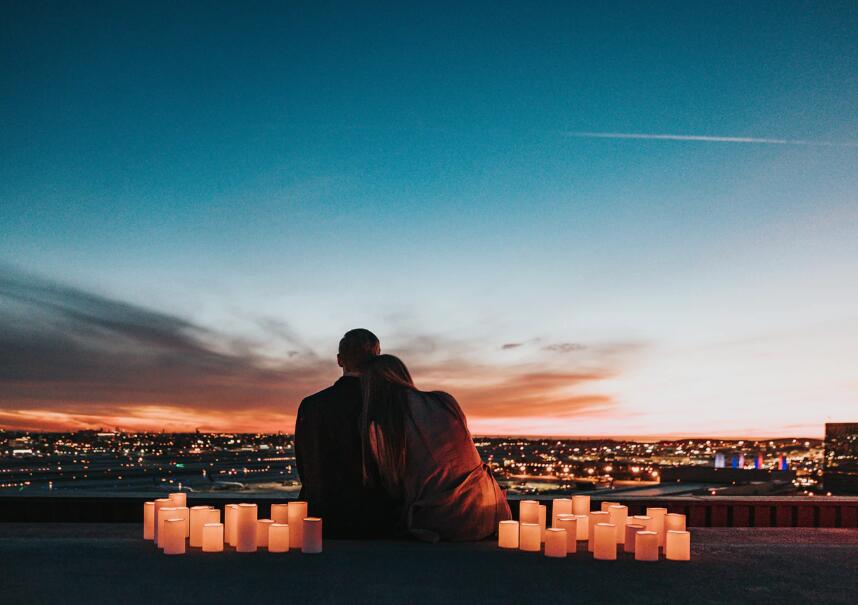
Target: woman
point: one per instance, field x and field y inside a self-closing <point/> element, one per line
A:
<point x="419" y="449"/>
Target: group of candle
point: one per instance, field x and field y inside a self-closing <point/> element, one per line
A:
<point x="605" y="531"/>
<point x="172" y="526"/>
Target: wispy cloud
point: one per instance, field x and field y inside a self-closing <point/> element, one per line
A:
<point x="708" y="139"/>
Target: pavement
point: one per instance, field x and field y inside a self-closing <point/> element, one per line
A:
<point x="110" y="563"/>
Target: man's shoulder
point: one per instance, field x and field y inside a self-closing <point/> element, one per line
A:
<point x="341" y="389"/>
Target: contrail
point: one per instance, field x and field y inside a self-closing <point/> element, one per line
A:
<point x="704" y="138"/>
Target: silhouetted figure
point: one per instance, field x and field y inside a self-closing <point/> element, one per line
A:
<point x="418" y="447"/>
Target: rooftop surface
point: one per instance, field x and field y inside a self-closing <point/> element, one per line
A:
<point x="111" y="563"/>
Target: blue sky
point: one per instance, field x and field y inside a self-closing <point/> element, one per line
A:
<point x="410" y="169"/>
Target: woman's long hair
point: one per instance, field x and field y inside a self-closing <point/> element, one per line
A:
<point x="386" y="384"/>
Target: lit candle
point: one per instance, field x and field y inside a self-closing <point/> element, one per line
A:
<point x="178" y="498"/>
<point x="529" y="539"/>
<point x="528" y="511"/>
<point x="674" y="522"/>
<point x="199" y="517"/>
<point x="262" y="526"/>
<point x="230" y="517"/>
<point x="657" y="526"/>
<point x="245" y="528"/>
<point x="543" y="513"/>
<point x="581" y="505"/>
<point x="148" y="520"/>
<point x="617" y="515"/>
<point x="297" y="513"/>
<point x="184" y="513"/>
<point x="278" y="537"/>
<point x="280" y="513"/>
<point x="508" y="534"/>
<point x="311" y="541"/>
<point x="560" y="506"/>
<point x="594" y="518"/>
<point x="607" y="505"/>
<point x="159" y="504"/>
<point x="555" y="542"/>
<point x="677" y="545"/>
<point x="213" y="516"/>
<point x="583" y="526"/>
<point x="570" y="524"/>
<point x="174" y="536"/>
<point x="646" y="546"/>
<point x="164" y="513"/>
<point x="631" y="530"/>
<point x="641" y="520"/>
<point x="213" y="537"/>
<point x="605" y="548"/>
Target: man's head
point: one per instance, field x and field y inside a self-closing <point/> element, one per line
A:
<point x="357" y="347"/>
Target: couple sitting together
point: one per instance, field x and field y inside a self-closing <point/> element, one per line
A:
<point x="379" y="458"/>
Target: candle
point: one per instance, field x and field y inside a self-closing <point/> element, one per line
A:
<point x="528" y="511"/>
<point x="631" y="530"/>
<point x="642" y="520"/>
<point x="674" y="522"/>
<point x="164" y="513"/>
<point x="607" y="505"/>
<point x="595" y="517"/>
<point x="178" y="498"/>
<point x="148" y="520"/>
<point x="230" y="516"/>
<point x="657" y="526"/>
<point x="583" y="526"/>
<point x="199" y="517"/>
<point x="605" y="548"/>
<point x="159" y="504"/>
<point x="529" y="539"/>
<point x="646" y="546"/>
<point x="560" y="506"/>
<point x="543" y="513"/>
<point x="278" y="537"/>
<point x="580" y="505"/>
<point x="677" y="545"/>
<point x="174" y="536"/>
<point x="213" y="516"/>
<point x="508" y="534"/>
<point x="213" y="537"/>
<point x="184" y="513"/>
<point x="311" y="541"/>
<point x="262" y="526"/>
<point x="570" y="524"/>
<point x="297" y="513"/>
<point x="617" y="514"/>
<point x="279" y="513"/>
<point x="245" y="528"/>
<point x="555" y="542"/>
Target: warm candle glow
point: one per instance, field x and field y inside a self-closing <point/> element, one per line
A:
<point x="199" y="517"/>
<point x="278" y="537"/>
<point x="528" y="511"/>
<point x="508" y="534"/>
<point x="178" y="498"/>
<point x="674" y="522"/>
<point x="646" y="546"/>
<point x="297" y="513"/>
<point x="164" y="513"/>
<point x="570" y="524"/>
<point x="657" y="514"/>
<point x="262" y="526"/>
<point x="280" y="513"/>
<point x="560" y="506"/>
<point x="529" y="537"/>
<point x="148" y="520"/>
<point x="245" y="528"/>
<point x="583" y="526"/>
<point x="184" y="513"/>
<point x="605" y="543"/>
<point x="174" y="536"/>
<point x="543" y="514"/>
<point x="631" y="530"/>
<point x="230" y="517"/>
<point x="581" y="505"/>
<point x="594" y="518"/>
<point x="159" y="504"/>
<point x="677" y="545"/>
<point x="213" y="537"/>
<point x="617" y="514"/>
<point x="555" y="542"/>
<point x="607" y="505"/>
<point x="212" y="516"/>
<point x="312" y="538"/>
<point x="642" y="520"/>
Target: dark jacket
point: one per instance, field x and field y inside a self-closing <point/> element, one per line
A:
<point x="328" y="455"/>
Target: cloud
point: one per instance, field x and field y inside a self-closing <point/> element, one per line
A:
<point x="707" y="139"/>
<point x="564" y="347"/>
<point x="511" y="345"/>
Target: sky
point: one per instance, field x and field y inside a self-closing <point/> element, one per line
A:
<point x="624" y="219"/>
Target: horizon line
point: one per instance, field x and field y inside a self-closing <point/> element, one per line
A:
<point x="707" y="138"/>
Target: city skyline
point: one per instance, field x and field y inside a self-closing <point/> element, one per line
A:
<point x="611" y="221"/>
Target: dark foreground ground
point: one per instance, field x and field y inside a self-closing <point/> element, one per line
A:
<point x="104" y="563"/>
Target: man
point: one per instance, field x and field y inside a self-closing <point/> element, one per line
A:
<point x="328" y="449"/>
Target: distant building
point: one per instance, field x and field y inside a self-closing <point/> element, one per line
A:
<point x="841" y="458"/>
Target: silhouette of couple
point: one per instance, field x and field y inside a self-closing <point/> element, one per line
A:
<point x="379" y="458"/>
